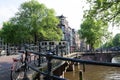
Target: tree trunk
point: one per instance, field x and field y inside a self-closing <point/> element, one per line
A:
<point x="91" y="48"/>
<point x="35" y="38"/>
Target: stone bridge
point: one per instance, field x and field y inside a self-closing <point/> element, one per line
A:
<point x="104" y="57"/>
<point x="96" y="56"/>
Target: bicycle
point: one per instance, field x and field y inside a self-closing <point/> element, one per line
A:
<point x="18" y="67"/>
<point x="38" y="58"/>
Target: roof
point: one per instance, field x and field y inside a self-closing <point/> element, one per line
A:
<point x="61" y="16"/>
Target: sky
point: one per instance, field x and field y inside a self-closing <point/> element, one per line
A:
<point x="71" y="9"/>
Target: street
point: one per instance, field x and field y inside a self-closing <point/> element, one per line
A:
<point x="5" y="64"/>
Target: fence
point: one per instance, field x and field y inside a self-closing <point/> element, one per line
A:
<point x="50" y="57"/>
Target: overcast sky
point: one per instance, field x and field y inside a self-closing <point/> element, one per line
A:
<point x="72" y="9"/>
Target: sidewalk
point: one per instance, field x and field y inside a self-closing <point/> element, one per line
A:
<point x="6" y="61"/>
<point x="5" y="64"/>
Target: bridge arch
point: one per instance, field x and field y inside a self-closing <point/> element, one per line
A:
<point x="102" y="57"/>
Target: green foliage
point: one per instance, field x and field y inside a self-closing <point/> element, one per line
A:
<point x="33" y="22"/>
<point x="99" y="15"/>
<point x="107" y="10"/>
<point x="92" y="31"/>
<point x="13" y="34"/>
<point x="49" y="24"/>
<point x="108" y="44"/>
<point x="116" y="40"/>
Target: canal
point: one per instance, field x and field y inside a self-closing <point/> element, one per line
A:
<point x="95" y="72"/>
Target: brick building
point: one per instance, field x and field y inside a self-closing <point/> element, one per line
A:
<point x="69" y="34"/>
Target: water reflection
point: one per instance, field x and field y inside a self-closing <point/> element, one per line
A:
<point x="96" y="72"/>
<point x="116" y="59"/>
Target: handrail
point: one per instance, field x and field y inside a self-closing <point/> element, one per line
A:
<point x="78" y="60"/>
<point x="43" y="73"/>
<point x="49" y="64"/>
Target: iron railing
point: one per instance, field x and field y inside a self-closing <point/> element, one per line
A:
<point x="50" y="57"/>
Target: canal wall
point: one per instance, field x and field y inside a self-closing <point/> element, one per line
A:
<point x="102" y="57"/>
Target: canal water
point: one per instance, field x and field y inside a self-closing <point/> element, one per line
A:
<point x="96" y="72"/>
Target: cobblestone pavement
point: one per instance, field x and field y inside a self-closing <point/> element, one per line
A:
<point x="5" y="64"/>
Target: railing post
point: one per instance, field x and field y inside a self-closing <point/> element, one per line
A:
<point x="83" y="67"/>
<point x="80" y="75"/>
<point x="7" y="51"/>
<point x="61" y="47"/>
<point x="49" y="67"/>
<point x="57" y="50"/>
<point x="39" y="60"/>
<point x="25" y="68"/>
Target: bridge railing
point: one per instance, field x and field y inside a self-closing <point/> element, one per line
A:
<point x="50" y="57"/>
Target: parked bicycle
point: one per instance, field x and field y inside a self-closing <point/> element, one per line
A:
<point x="38" y="59"/>
<point x="18" y="67"/>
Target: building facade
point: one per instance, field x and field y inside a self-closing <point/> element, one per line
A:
<point x="69" y="34"/>
<point x="77" y="41"/>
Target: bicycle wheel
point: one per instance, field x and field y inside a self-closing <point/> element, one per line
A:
<point x="17" y="73"/>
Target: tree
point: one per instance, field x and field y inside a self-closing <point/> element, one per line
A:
<point x="113" y="42"/>
<point x="29" y="24"/>
<point x="108" y="44"/>
<point x="101" y="13"/>
<point x="116" y="40"/>
<point x="92" y="31"/>
<point x="49" y="28"/>
<point x="34" y="15"/>
<point x="13" y="34"/>
<point x="107" y="10"/>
